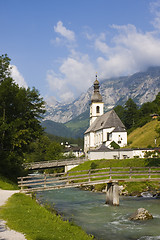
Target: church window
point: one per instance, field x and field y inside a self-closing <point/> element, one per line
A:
<point x="97" y="109"/>
<point x="109" y="136"/>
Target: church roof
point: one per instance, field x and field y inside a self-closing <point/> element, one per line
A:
<point x="107" y="120"/>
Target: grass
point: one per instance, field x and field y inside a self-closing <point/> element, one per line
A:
<point x="25" y="215"/>
<point x="138" y="187"/>
<point x="139" y="162"/>
<point x="132" y="187"/>
<point x="144" y="136"/>
<point x="6" y="184"/>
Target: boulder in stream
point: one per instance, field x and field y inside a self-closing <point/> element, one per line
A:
<point x="141" y="214"/>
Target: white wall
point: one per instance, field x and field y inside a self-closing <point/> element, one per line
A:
<point x="69" y="167"/>
<point x="93" y="112"/>
<point x="115" y="154"/>
<point x="110" y="155"/>
<point x="120" y="138"/>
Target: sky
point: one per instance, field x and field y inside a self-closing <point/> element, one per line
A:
<point x="58" y="46"/>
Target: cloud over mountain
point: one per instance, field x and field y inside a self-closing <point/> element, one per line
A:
<point x="118" y="50"/>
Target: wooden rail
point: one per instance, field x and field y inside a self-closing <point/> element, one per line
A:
<point x="54" y="163"/>
<point x="88" y="177"/>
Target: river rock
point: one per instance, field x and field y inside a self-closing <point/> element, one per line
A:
<point x="141" y="214"/>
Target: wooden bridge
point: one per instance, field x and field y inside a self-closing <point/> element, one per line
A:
<point x="55" y="163"/>
<point x="110" y="176"/>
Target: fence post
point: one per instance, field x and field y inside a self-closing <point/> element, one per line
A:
<point x="149" y="172"/>
<point x="89" y="172"/>
<point x="110" y="173"/>
<point x="67" y="177"/>
<point x="45" y="178"/>
<point x="130" y="172"/>
<point x="21" y="183"/>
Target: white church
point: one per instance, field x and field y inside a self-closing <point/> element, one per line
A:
<point x="104" y="127"/>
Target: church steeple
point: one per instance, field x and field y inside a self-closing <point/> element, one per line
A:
<point x="96" y="106"/>
<point x="96" y="97"/>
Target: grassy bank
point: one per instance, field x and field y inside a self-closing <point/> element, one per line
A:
<point x="144" y="136"/>
<point x="137" y="162"/>
<point x="130" y="188"/>
<point x="25" y="215"/>
<point x="6" y="184"/>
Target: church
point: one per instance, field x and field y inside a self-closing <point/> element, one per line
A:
<point x="104" y="127"/>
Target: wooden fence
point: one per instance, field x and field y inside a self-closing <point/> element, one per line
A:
<point x="88" y="177"/>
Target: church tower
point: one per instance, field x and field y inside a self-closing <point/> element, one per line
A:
<point x="96" y="106"/>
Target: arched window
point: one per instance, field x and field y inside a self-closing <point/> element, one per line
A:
<point x="97" y="109"/>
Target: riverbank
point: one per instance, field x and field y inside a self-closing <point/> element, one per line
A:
<point x="5" y="232"/>
<point x="136" y="189"/>
<point x="126" y="188"/>
<point x="88" y="210"/>
<point x="24" y="214"/>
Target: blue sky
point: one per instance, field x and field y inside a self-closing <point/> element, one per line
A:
<point x="59" y="45"/>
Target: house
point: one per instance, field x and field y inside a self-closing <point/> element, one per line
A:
<point x="154" y="116"/>
<point x="72" y="150"/>
<point x="104" y="127"/>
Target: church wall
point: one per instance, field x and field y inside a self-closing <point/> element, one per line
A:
<point x="120" y="138"/>
<point x="92" y="140"/>
<point x="96" y="110"/>
<point x="98" y="137"/>
<point x="93" y="109"/>
<point x="105" y="131"/>
<point x="86" y="142"/>
<point x="110" y="155"/>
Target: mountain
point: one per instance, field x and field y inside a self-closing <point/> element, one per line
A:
<point x="72" y="129"/>
<point x="141" y="87"/>
<point x="57" y="129"/>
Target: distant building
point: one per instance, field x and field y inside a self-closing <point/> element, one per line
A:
<point x="104" y="128"/>
<point x="72" y="149"/>
<point x="154" y="116"/>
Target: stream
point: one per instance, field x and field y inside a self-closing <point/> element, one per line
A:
<point x="88" y="210"/>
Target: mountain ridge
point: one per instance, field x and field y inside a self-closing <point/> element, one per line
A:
<point x="141" y="87"/>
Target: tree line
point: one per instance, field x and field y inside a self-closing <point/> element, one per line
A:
<point x="134" y="116"/>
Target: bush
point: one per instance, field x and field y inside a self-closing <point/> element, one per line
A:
<point x="114" y="145"/>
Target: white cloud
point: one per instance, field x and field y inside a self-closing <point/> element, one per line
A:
<point x="155" y="10"/>
<point x="127" y="51"/>
<point x="101" y="45"/>
<point x="132" y="51"/>
<point x="75" y="76"/>
<point x="63" y="31"/>
<point x="17" y="76"/>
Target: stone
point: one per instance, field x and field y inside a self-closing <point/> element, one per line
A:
<point x="141" y="214"/>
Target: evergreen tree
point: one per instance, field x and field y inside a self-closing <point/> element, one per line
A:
<point x="20" y="113"/>
<point x="130" y="114"/>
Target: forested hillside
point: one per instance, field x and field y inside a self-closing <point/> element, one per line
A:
<point x="133" y="116"/>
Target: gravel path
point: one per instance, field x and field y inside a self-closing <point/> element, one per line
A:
<point x="5" y="232"/>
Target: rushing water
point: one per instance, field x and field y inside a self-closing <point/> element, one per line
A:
<point x="88" y="210"/>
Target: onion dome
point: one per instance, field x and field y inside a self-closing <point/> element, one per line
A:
<point x="96" y="97"/>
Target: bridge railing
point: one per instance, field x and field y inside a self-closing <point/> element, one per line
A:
<point x="58" y="162"/>
<point x="88" y="177"/>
